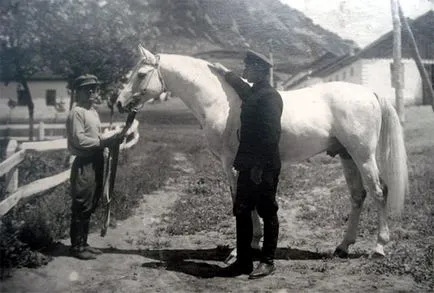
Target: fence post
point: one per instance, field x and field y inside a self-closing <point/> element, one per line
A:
<point x="41" y="130"/>
<point x="12" y="176"/>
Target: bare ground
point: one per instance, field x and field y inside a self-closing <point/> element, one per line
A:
<point x="140" y="256"/>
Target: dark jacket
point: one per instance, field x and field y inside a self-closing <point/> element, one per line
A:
<point x="261" y="111"/>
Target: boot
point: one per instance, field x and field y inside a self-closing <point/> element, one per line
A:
<point x="87" y="247"/>
<point x="263" y="269"/>
<point x="271" y="235"/>
<point x="81" y="253"/>
<point x="236" y="269"/>
<point x="244" y="263"/>
<point x="78" y="240"/>
<point x="75" y="233"/>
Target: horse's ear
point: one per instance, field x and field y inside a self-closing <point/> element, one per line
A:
<point x="142" y="49"/>
<point x="147" y="55"/>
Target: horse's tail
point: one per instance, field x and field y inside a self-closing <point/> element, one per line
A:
<point x="392" y="157"/>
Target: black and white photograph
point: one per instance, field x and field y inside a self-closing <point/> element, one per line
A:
<point x="270" y="146"/>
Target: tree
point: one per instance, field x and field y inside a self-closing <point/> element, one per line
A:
<point x="92" y="37"/>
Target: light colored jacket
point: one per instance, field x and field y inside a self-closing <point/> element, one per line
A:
<point x="83" y="129"/>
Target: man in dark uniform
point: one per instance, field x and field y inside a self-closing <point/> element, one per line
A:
<point x="258" y="163"/>
<point x="85" y="142"/>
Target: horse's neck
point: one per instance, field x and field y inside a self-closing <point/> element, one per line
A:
<point x="196" y="88"/>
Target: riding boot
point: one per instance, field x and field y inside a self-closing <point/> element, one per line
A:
<point x="271" y="235"/>
<point x="86" y="246"/>
<point x="244" y="262"/>
<point x="78" y="241"/>
<point x="244" y="228"/>
<point x="74" y="233"/>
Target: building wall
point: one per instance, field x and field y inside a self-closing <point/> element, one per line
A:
<point x="350" y="73"/>
<point x="377" y="75"/>
<point x="38" y="90"/>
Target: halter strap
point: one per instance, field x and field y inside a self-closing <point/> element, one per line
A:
<point x="156" y="66"/>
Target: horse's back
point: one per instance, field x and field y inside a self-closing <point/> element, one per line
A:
<point x="316" y="117"/>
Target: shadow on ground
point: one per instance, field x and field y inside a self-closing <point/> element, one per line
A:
<point x="195" y="261"/>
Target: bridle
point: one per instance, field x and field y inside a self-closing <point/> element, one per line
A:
<point x="156" y="70"/>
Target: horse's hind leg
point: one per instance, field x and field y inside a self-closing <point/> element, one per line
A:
<point x="378" y="190"/>
<point x="257" y="230"/>
<point x="358" y="195"/>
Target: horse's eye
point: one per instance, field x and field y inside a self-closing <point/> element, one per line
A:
<point x="142" y="73"/>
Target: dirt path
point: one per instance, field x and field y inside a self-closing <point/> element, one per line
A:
<point x="117" y="269"/>
<point x="140" y="257"/>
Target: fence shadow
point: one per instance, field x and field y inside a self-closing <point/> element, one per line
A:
<point x="200" y="262"/>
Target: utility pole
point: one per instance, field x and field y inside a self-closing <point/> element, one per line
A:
<point x="270" y="52"/>
<point x="417" y="58"/>
<point x="397" y="76"/>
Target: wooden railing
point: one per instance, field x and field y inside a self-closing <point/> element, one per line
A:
<point x="45" y="131"/>
<point x="16" y="153"/>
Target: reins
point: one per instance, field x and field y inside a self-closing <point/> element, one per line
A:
<point x="111" y="169"/>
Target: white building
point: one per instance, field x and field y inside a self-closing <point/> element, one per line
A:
<point x="48" y="92"/>
<point x="372" y="65"/>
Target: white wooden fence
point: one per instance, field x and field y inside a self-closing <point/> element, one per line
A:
<point x="16" y="153"/>
<point x="43" y="131"/>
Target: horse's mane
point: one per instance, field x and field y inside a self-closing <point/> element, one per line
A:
<point x="196" y="70"/>
<point x="196" y="65"/>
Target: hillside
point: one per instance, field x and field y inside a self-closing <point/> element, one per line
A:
<point x="192" y="26"/>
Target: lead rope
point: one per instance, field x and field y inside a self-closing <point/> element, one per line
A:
<point x="110" y="172"/>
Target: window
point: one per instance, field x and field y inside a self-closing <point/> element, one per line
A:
<point x="351" y="71"/>
<point x="344" y="75"/>
<point x="50" y="97"/>
<point x="21" y="96"/>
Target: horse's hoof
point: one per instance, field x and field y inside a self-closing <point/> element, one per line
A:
<point x="377" y="255"/>
<point x="232" y="257"/>
<point x="339" y="252"/>
<point x="378" y="251"/>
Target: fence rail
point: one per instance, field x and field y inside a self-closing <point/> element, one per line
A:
<point x="16" y="153"/>
<point x="43" y="130"/>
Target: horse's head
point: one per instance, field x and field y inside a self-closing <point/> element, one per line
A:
<point x="144" y="83"/>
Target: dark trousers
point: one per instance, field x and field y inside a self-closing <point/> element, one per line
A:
<point x="262" y="197"/>
<point x="86" y="190"/>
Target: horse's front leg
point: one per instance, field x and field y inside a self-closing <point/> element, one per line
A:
<point x="257" y="230"/>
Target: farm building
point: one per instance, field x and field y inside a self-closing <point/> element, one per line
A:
<point x="372" y="66"/>
<point x="49" y="94"/>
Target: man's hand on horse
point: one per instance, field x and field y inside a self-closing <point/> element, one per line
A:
<point x="219" y="68"/>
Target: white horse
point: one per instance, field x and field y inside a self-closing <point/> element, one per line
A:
<point x="337" y="118"/>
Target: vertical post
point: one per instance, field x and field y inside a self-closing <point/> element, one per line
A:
<point x="270" y="52"/>
<point x="12" y="176"/>
<point x="417" y="57"/>
<point x="41" y="130"/>
<point x="397" y="65"/>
